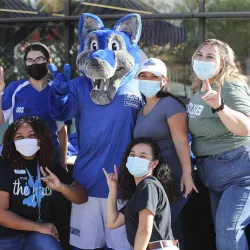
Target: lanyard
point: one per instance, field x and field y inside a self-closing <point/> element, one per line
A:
<point x="37" y="190"/>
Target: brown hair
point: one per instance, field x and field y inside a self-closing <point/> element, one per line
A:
<point x="37" y="46"/>
<point x="229" y="71"/>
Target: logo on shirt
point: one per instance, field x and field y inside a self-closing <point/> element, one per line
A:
<point x="29" y="191"/>
<point x="75" y="231"/>
<point x="194" y="109"/>
<point x="19" y="110"/>
<point x="132" y="100"/>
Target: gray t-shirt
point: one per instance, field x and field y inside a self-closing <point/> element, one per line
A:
<point x="155" y="125"/>
<point x="210" y="136"/>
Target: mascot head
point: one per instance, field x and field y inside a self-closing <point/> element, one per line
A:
<point x="108" y="57"/>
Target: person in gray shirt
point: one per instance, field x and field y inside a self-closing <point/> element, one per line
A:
<point x="219" y="122"/>
<point x="164" y="119"/>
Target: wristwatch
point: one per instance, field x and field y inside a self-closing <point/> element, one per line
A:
<point x="219" y="108"/>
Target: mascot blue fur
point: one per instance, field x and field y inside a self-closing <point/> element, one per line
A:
<point x="104" y="103"/>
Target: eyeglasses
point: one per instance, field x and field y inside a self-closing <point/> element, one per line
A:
<point x="38" y="60"/>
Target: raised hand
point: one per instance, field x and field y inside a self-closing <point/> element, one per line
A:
<point x="60" y="79"/>
<point x="2" y="83"/>
<point x="211" y="97"/>
<point x="50" y="179"/>
<point x="112" y="179"/>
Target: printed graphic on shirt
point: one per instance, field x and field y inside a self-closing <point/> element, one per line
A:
<point x="75" y="231"/>
<point x="29" y="190"/>
<point x="194" y="110"/>
<point x="132" y="100"/>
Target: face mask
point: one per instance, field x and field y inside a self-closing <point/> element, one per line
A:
<point x="138" y="167"/>
<point x="149" y="88"/>
<point x="37" y="71"/>
<point x="27" y="147"/>
<point x="204" y="70"/>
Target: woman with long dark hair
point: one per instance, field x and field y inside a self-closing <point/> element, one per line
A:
<point x="28" y="179"/>
<point x="143" y="183"/>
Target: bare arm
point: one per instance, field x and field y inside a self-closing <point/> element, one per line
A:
<point x="114" y="219"/>
<point x="75" y="192"/>
<point x="144" y="231"/>
<point x="179" y="132"/>
<point x="63" y="139"/>
<point x="234" y="121"/>
<point x="2" y="86"/>
<point x="11" y="220"/>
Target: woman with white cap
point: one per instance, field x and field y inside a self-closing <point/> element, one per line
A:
<point x="164" y="119"/>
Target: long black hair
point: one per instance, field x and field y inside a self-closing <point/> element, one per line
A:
<point x="46" y="153"/>
<point x="161" y="172"/>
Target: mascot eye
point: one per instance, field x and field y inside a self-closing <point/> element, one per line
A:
<point x="115" y="45"/>
<point x="94" y="45"/>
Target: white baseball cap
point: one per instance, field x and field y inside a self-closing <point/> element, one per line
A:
<point x="154" y="66"/>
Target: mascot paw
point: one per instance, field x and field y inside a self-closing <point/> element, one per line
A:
<point x="60" y="80"/>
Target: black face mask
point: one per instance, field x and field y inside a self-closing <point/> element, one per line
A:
<point x="37" y="71"/>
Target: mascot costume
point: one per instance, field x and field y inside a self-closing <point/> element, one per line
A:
<point x="104" y="103"/>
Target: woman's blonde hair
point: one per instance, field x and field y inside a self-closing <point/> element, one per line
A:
<point x="229" y="71"/>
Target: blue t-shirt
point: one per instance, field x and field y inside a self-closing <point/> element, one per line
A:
<point x="155" y="125"/>
<point x="21" y="99"/>
<point x="103" y="132"/>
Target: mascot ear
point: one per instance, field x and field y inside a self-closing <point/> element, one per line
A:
<point x="130" y="24"/>
<point x="88" y="23"/>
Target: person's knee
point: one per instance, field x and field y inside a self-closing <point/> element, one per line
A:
<point x="39" y="241"/>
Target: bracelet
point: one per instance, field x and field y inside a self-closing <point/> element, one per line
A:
<point x="221" y="107"/>
<point x="1" y="93"/>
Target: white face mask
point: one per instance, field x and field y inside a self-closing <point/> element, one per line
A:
<point x="204" y="70"/>
<point x="149" y="88"/>
<point x="27" y="147"/>
<point x="138" y="167"/>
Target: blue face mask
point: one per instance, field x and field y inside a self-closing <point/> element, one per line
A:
<point x="204" y="70"/>
<point x="138" y="167"/>
<point x="149" y="88"/>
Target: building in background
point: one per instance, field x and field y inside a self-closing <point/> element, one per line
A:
<point x="172" y="30"/>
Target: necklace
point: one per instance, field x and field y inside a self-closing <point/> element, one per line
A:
<point x="37" y="188"/>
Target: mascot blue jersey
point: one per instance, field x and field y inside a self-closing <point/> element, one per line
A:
<point x="105" y="101"/>
<point x="21" y="99"/>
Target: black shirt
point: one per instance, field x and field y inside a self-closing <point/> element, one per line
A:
<point x="149" y="194"/>
<point x="22" y="199"/>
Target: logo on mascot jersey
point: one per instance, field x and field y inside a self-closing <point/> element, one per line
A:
<point x="132" y="100"/>
<point x="108" y="57"/>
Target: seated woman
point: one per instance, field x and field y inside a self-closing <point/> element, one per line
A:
<point x="28" y="179"/>
<point x="143" y="182"/>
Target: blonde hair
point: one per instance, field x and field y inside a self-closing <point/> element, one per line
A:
<point x="229" y="71"/>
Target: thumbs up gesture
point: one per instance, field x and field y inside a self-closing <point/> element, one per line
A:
<point x="212" y="98"/>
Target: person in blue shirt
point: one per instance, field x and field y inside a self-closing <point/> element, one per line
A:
<point x="27" y="97"/>
<point x="104" y="103"/>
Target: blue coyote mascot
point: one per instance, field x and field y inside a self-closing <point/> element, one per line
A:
<point x="104" y="103"/>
